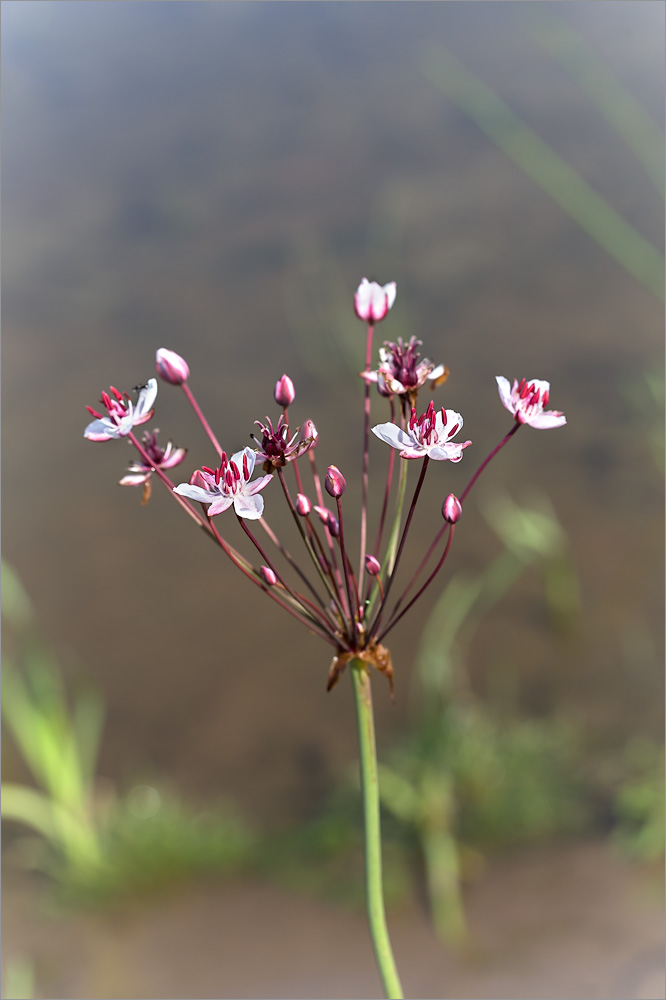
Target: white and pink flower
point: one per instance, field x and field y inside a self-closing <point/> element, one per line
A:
<point x="429" y="434"/>
<point x="229" y="484"/>
<point x="123" y="415"/>
<point x="373" y="301"/>
<point x="526" y="400"/>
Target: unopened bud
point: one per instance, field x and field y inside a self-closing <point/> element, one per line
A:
<point x="372" y="565"/>
<point x="268" y="576"/>
<point x="171" y="367"/>
<point x="333" y="525"/>
<point x="285" y="394"/>
<point x="451" y="509"/>
<point x="303" y="504"/>
<point x="335" y="482"/>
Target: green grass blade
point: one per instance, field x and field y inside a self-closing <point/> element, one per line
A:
<point x="521" y="143"/>
<point x="604" y="89"/>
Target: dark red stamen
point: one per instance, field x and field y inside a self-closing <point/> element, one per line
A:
<point x="204" y="468"/>
<point x="119" y="396"/>
<point x="94" y="413"/>
<point x="246" y="468"/>
<point x="218" y="473"/>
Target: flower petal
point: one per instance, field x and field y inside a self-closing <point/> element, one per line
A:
<point x="547" y="419"/>
<point x="135" y="479"/>
<point x="144" y="403"/>
<point x="101" y="430"/>
<point x="390" y="291"/>
<point x="251" y="507"/>
<point x="451" y="452"/>
<point x="257" y="485"/>
<point x="220" y="504"/>
<point x="194" y="493"/>
<point x="505" y="392"/>
<point x="395" y="436"/>
<point x="172" y="458"/>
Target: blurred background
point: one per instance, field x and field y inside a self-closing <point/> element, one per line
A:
<point x="215" y="178"/>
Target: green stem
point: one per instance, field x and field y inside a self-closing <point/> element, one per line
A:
<point x="373" y="844"/>
<point x="391" y="549"/>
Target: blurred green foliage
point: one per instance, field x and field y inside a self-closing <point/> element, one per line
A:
<point x="640" y="802"/>
<point x="466" y="776"/>
<point x="96" y="845"/>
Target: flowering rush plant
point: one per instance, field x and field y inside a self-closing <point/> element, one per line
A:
<point x="343" y="597"/>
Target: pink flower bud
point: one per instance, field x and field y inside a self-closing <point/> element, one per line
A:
<point x="329" y="520"/>
<point x="451" y="509"/>
<point x="372" y="565"/>
<point x="335" y="482"/>
<point x="303" y="505"/>
<point x="268" y="576"/>
<point x="171" y="367"/>
<point x="285" y="394"/>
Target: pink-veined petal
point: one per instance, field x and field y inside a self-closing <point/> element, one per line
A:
<point x="135" y="478"/>
<point x="220" y="504"/>
<point x="256" y="485"/>
<point x="413" y="452"/>
<point x="251" y="507"/>
<point x="504" y="389"/>
<point x="144" y="404"/>
<point x="101" y="430"/>
<point x="394" y="435"/>
<point x="143" y="418"/>
<point x="451" y="452"/>
<point x="547" y="419"/>
<point x="194" y="493"/>
<point x="378" y="302"/>
<point x="172" y="458"/>
<point x="363" y="299"/>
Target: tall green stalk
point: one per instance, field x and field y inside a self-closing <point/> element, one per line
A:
<point x="373" y="844"/>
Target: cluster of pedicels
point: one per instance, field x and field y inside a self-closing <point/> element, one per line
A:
<point x="345" y="603"/>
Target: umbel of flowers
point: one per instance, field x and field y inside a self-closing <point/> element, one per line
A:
<point x="349" y="599"/>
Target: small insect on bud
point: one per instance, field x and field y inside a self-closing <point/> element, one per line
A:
<point x="171" y="367"/>
<point x="303" y="504"/>
<point x="451" y="509"/>
<point x="268" y="576"/>
<point x="285" y="394"/>
<point x="372" y="565"/>
<point x="335" y="482"/>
